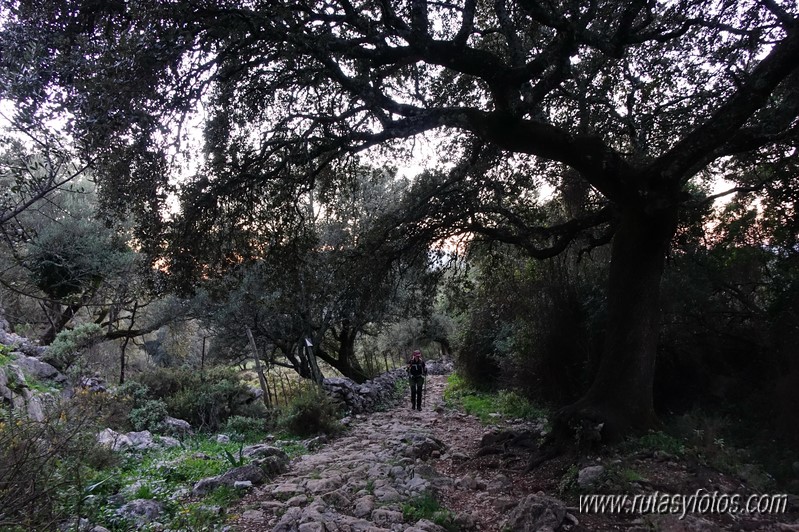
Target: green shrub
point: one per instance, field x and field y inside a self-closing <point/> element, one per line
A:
<point x="425" y="506"/>
<point x="514" y="405"/>
<point x="658" y="441"/>
<point x="310" y="412"/>
<point x="567" y="484"/>
<point x="246" y="428"/>
<point x="66" y="347"/>
<point x="5" y="354"/>
<point x="205" y="401"/>
<point x="224" y="496"/>
<point x="46" y="467"/>
<point x="149" y="416"/>
<point x="108" y="409"/>
<point x="135" y="392"/>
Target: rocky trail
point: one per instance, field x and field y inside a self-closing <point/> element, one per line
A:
<point x="360" y="481"/>
<point x="401" y="459"/>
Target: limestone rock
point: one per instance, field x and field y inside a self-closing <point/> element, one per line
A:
<point x="384" y="517"/>
<point x="141" y="440"/>
<point x="263" y="450"/>
<point x="141" y="511"/>
<point x="176" y="427"/>
<point x="536" y="513"/>
<point x="113" y="440"/>
<point x="589" y="476"/>
<point x="249" y="472"/>
<point x="38" y="369"/>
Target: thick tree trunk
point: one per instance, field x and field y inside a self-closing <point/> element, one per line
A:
<point x="345" y="360"/>
<point x="620" y="400"/>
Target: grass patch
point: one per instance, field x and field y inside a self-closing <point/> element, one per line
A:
<point x="567" y="485"/>
<point x="310" y="413"/>
<point x="656" y="441"/>
<point x="5" y="355"/>
<point x="425" y="506"/>
<point x="159" y="474"/>
<point x="488" y="406"/>
<point x="224" y="496"/>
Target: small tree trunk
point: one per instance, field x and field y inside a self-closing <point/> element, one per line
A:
<point x="122" y="355"/>
<point x="621" y="395"/>
<point x="258" y="369"/>
<point x="60" y="322"/>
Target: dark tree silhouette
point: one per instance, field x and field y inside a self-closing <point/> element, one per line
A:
<point x="618" y="103"/>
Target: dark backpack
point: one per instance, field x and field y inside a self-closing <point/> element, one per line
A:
<point x="416" y="369"/>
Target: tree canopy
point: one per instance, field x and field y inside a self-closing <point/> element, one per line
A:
<point x="619" y="106"/>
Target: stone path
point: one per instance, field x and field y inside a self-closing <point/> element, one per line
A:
<point x="360" y="481"/>
<point x="392" y="460"/>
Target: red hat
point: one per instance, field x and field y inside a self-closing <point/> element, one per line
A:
<point x="417" y="353"/>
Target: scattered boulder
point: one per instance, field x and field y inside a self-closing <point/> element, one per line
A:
<point x="263" y="450"/>
<point x="498" y="441"/>
<point x="141" y="511"/>
<point x="272" y="465"/>
<point x="246" y="473"/>
<point x="113" y="440"/>
<point x="536" y="513"/>
<point x="20" y="343"/>
<point x="422" y="445"/>
<point x="250" y="395"/>
<point x="176" y="427"/>
<point x="589" y="476"/>
<point x="39" y="370"/>
<point x="272" y="460"/>
<point x="442" y="366"/>
<point x="94" y="383"/>
<point x="33" y="405"/>
<point x="423" y="525"/>
<point x="386" y="518"/>
<point x="134" y="440"/>
<point x="141" y="440"/>
<point x="364" y="506"/>
<point x="81" y="525"/>
<point x="15" y="391"/>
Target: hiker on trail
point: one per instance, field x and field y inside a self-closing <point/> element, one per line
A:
<point x="416" y="374"/>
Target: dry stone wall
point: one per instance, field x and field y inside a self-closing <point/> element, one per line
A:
<point x="369" y="396"/>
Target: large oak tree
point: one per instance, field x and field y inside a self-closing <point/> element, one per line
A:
<point x="621" y="104"/>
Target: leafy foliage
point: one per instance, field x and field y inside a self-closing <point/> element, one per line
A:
<point x="246" y="428"/>
<point x="66" y="260"/>
<point x="149" y="415"/>
<point x="624" y="111"/>
<point x="329" y="282"/>
<point x="310" y="413"/>
<point x="5" y="354"/>
<point x="46" y="467"/>
<point x="67" y="346"/>
<point x="206" y="401"/>
<point x="487" y="406"/>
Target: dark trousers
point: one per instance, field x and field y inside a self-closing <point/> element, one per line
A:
<point x="417" y="384"/>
